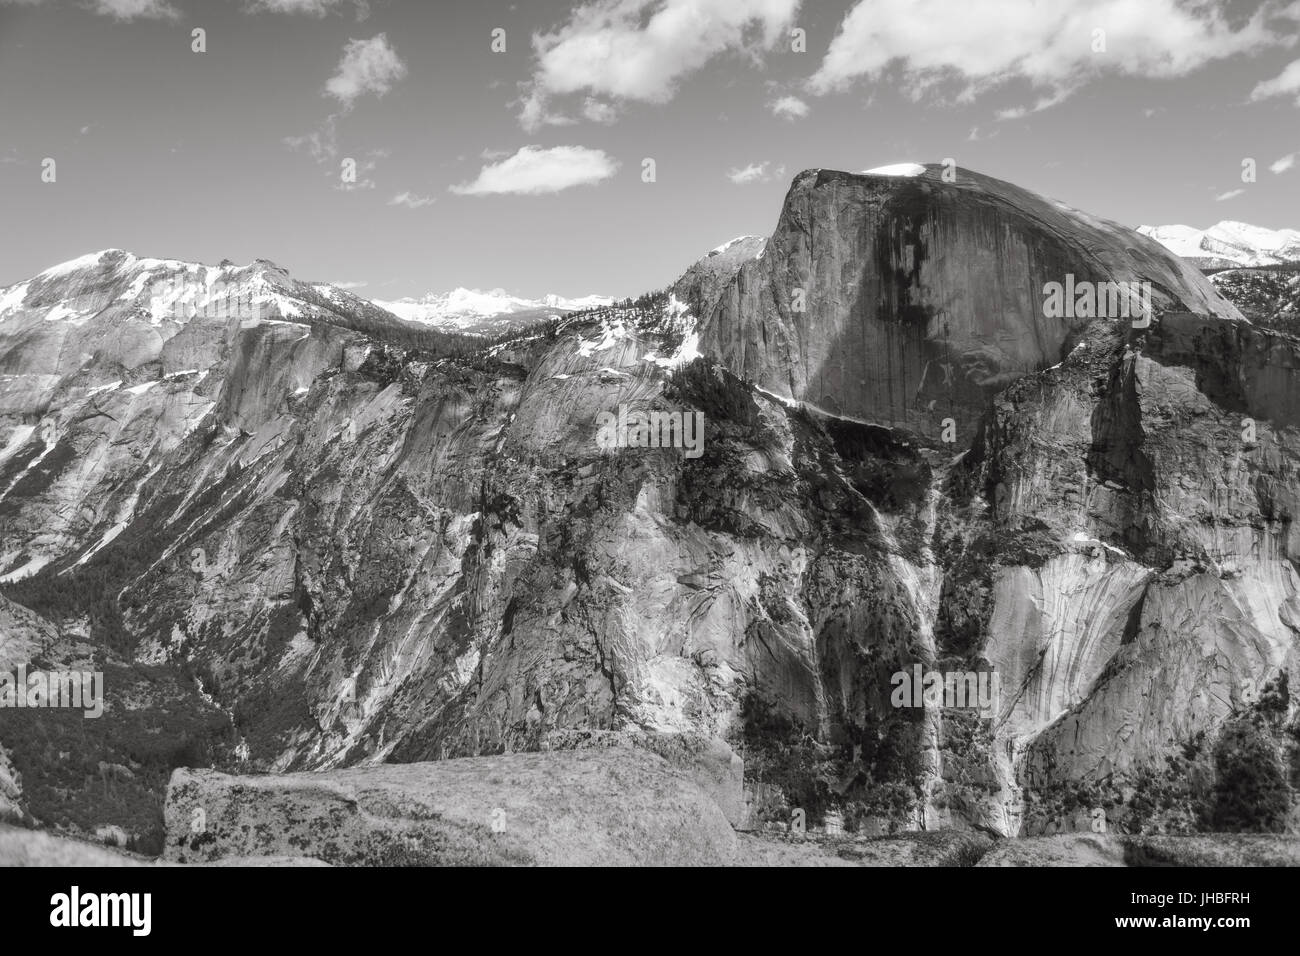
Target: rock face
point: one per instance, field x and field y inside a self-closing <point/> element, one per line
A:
<point x="905" y="301"/>
<point x="336" y="542"/>
<point x="611" y="807"/>
<point x="703" y="283"/>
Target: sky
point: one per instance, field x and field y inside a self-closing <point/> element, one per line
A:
<point x="500" y="144"/>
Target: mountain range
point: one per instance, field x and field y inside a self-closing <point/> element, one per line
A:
<point x="296" y="532"/>
<point x="1228" y="244"/>
<point x="477" y="311"/>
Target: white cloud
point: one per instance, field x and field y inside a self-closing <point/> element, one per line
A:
<point x="411" y="201"/>
<point x="788" y="107"/>
<point x="1284" y="84"/>
<point x="349" y="285"/>
<point x="312" y="8"/>
<point x="640" y="50"/>
<point x="1230" y="194"/>
<point x="322" y="143"/>
<point x="598" y="111"/>
<point x="534" y="171"/>
<point x="1046" y="43"/>
<point x="1282" y="165"/>
<point x="136" y="9"/>
<point x="368" y="66"/>
<point x="754" y="173"/>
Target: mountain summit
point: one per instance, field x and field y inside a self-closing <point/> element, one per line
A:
<point x="904" y="299"/>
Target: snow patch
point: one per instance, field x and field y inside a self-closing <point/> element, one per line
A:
<point x="60" y="312"/>
<point x="688" y="351"/>
<point x="17" y="437"/>
<point x="12" y="297"/>
<point x="731" y="242"/>
<point x="1082" y="537"/>
<point x="897" y="169"/>
<point x="107" y="538"/>
<point x="31" y="567"/>
<point x="611" y="333"/>
<point x="137" y="285"/>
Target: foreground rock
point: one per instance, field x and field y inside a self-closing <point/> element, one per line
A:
<point x="708" y="761"/>
<point x="933" y="848"/>
<point x="606" y="804"/>
<point x="1091" y="849"/>
<point x="607" y="807"/>
<point x="20" y="847"/>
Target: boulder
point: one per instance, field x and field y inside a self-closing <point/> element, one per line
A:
<point x="607" y="806"/>
<point x="709" y="761"/>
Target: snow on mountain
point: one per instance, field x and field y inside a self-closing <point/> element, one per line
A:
<point x="465" y="308"/>
<point x="731" y="242"/>
<point x="569" y="305"/>
<point x="114" y="282"/>
<point x="74" y="265"/>
<point x="1232" y="243"/>
<point x="896" y="169"/>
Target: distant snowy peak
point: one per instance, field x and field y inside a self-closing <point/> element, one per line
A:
<point x="570" y="305"/>
<point x="1235" y="243"/>
<point x="114" y="281"/>
<point x="463" y="307"/>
